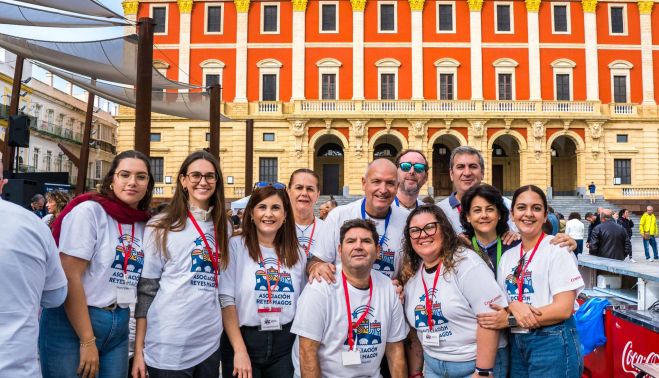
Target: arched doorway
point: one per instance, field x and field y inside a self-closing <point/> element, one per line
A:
<point x="564" y="167"/>
<point x="328" y="163"/>
<point x="441" y="156"/>
<point x="505" y="164"/>
<point x="386" y="146"/>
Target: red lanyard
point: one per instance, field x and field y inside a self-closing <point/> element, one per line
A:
<point x="520" y="277"/>
<point x="351" y="325"/>
<point x="130" y="244"/>
<point x="428" y="300"/>
<point x="459" y="207"/>
<point x="313" y="228"/>
<point x="267" y="279"/>
<point x="215" y="258"/>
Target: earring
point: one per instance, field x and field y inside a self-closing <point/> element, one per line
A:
<point x="111" y="187"/>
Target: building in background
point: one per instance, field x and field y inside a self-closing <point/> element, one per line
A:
<point x="57" y="117"/>
<point x="554" y="93"/>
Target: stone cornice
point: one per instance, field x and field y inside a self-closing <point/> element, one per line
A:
<point x="475" y="5"/>
<point x="645" y="7"/>
<point x="185" y="6"/>
<point x="589" y="6"/>
<point x="242" y="6"/>
<point x="299" y="5"/>
<point x="417" y="5"/>
<point x="533" y="5"/>
<point x="130" y="7"/>
<point x="358" y="5"/>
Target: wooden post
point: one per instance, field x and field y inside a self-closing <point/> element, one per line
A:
<point x="249" y="157"/>
<point x="214" y="143"/>
<point x="83" y="162"/>
<point x="8" y="153"/>
<point x="143" y="86"/>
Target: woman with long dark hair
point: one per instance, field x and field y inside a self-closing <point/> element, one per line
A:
<point x="260" y="288"/>
<point x="542" y="282"/>
<point x="55" y="203"/>
<point x="100" y="239"/>
<point x="186" y="247"/>
<point x="446" y="286"/>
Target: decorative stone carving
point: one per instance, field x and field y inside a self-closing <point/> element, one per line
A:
<point x="532" y="5"/>
<point x="419" y="128"/>
<point x="242" y="6"/>
<point x="184" y="6"/>
<point x="447" y="123"/>
<point x="328" y="125"/>
<point x="297" y="129"/>
<point x="589" y="6"/>
<point x="417" y="5"/>
<point x="358" y="5"/>
<point x="508" y="122"/>
<point x="358" y="131"/>
<point x="538" y="137"/>
<point x="477" y="128"/>
<point x="645" y="7"/>
<point x="566" y="125"/>
<point x="130" y="7"/>
<point x="299" y="5"/>
<point x="387" y="124"/>
<point x="595" y="128"/>
<point x="475" y="5"/>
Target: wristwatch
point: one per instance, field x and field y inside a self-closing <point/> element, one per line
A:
<point x="484" y="372"/>
<point x="512" y="322"/>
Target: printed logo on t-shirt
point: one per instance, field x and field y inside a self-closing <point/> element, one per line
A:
<point x="385" y="261"/>
<point x="527" y="286"/>
<point x="202" y="264"/>
<point x="281" y="285"/>
<point x="304" y="240"/>
<point x="368" y="335"/>
<point x="135" y="260"/>
<point x="440" y="323"/>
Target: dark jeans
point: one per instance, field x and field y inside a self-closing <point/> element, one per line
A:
<point x="579" y="247"/>
<point x="269" y="352"/>
<point x="209" y="368"/>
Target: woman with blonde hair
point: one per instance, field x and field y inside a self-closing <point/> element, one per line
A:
<point x="55" y="203"/>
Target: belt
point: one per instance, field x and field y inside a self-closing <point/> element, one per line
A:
<point x="111" y="307"/>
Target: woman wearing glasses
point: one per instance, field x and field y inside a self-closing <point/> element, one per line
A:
<point x="186" y="248"/>
<point x="542" y="282"/>
<point x="260" y="288"/>
<point x="303" y="191"/>
<point x="446" y="285"/>
<point x="100" y="240"/>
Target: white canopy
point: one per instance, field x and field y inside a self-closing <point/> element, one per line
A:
<point x="17" y="14"/>
<point x="88" y="7"/>
<point x="239" y="204"/>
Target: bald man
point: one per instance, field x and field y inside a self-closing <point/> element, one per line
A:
<point x="380" y="182"/>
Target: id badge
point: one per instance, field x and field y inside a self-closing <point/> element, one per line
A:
<point x="351" y="357"/>
<point x="126" y="295"/>
<point x="431" y="338"/>
<point x="269" y="319"/>
<point x="519" y="330"/>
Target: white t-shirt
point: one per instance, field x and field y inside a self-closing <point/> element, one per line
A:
<point x="553" y="270"/>
<point x="449" y="206"/>
<point x="91" y="234"/>
<point x="30" y="266"/>
<point x="391" y="252"/>
<point x="322" y="316"/>
<point x="458" y="297"/>
<point x="309" y="234"/>
<point x="574" y="229"/>
<point x="245" y="281"/>
<point x="398" y="204"/>
<point x="184" y="322"/>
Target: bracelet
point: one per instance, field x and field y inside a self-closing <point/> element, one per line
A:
<point x="417" y="374"/>
<point x="88" y="343"/>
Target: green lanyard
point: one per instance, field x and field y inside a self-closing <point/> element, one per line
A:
<point x="474" y="242"/>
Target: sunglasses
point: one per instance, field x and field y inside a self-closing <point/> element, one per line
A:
<point x="265" y="184"/>
<point x="418" y="167"/>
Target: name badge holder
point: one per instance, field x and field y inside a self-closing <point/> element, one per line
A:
<point x="269" y="317"/>
<point x="431" y="338"/>
<point x="351" y="357"/>
<point x="125" y="293"/>
<point x="431" y="335"/>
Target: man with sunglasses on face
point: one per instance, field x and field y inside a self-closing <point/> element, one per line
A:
<point x="412" y="175"/>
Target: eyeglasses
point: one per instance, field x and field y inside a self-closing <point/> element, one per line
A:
<point x="195" y="177"/>
<point x="430" y="229"/>
<point x="418" y="167"/>
<point x="265" y="184"/>
<point x="125" y="176"/>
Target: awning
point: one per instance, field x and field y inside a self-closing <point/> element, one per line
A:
<point x="87" y="7"/>
<point x="16" y="14"/>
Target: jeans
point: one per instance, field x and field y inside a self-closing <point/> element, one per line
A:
<point x="59" y="345"/>
<point x="448" y="369"/>
<point x="269" y="352"/>
<point x="579" y="246"/>
<point x="647" y="243"/>
<point x="209" y="368"/>
<point x="552" y="351"/>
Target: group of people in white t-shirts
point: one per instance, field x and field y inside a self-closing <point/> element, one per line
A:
<point x="385" y="286"/>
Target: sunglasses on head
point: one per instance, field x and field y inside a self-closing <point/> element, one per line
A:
<point x="264" y="184"/>
<point x="418" y="167"/>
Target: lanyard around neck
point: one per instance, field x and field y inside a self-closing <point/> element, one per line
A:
<point x="425" y="289"/>
<point x="478" y="250"/>
<point x="352" y="326"/>
<point x="386" y="221"/>
<point x="267" y="278"/>
<point x="520" y="277"/>
<point x="130" y="244"/>
<point x="215" y="257"/>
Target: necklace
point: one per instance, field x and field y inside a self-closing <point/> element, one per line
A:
<point x="305" y="230"/>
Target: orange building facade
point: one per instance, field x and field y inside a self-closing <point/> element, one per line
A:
<point x="554" y="93"/>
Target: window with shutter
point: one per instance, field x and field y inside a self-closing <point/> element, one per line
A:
<point x="505" y="86"/>
<point x="503" y="18"/>
<point x="617" y="20"/>
<point x="622" y="171"/>
<point x="387" y="86"/>
<point x="560" y="18"/>
<point x="445" y="17"/>
<point x="387" y="17"/>
<point x="270" y="17"/>
<point x="160" y="19"/>
<point x="269" y="82"/>
<point x="328" y="86"/>
<point x="268" y="169"/>
<point x="620" y="88"/>
<point x="328" y="17"/>
<point x="212" y="79"/>
<point x="446" y="87"/>
<point x="214" y="19"/>
<point x="562" y="87"/>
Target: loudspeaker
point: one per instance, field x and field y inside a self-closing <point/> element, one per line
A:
<point x="20" y="191"/>
<point x="19" y="131"/>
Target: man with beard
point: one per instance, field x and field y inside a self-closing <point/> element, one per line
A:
<point x="412" y="175"/>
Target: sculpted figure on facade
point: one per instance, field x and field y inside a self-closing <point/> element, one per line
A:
<point x="477" y="128"/>
<point x="358" y="132"/>
<point x="298" y="133"/>
<point x="418" y="127"/>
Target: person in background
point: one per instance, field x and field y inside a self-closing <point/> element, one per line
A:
<point x="561" y="223"/>
<point x="428" y="200"/>
<point x="55" y="203"/>
<point x="626" y="223"/>
<point x="609" y="239"/>
<point x="331" y="205"/>
<point x="574" y="228"/>
<point x="590" y="217"/>
<point x="37" y="205"/>
<point x="303" y="191"/>
<point x="31" y="277"/>
<point x="322" y="211"/>
<point x="234" y="218"/>
<point x="591" y="192"/>
<point x="648" y="230"/>
<point x="412" y="176"/>
<point x="553" y="219"/>
<point x="100" y="238"/>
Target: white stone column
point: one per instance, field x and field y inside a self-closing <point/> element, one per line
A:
<point x="358" y="49"/>
<point x="299" y="26"/>
<point x="242" y="8"/>
<point x="532" y="7"/>
<point x="130" y="12"/>
<point x="417" y="49"/>
<point x="645" y="9"/>
<point x="185" y="10"/>
<point x="590" y="34"/>
<point x="476" y="50"/>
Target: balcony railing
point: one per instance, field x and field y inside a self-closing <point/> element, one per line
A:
<point x="55" y="130"/>
<point x="568" y="107"/>
<point x="390" y="106"/>
<point x="158" y="191"/>
<point x="328" y="106"/>
<point x="448" y="106"/>
<point x="24" y="168"/>
<point x="623" y="109"/>
<point x="509" y="106"/>
<point x="641" y="192"/>
<point x="269" y="107"/>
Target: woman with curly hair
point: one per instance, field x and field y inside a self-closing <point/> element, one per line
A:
<point x="446" y="286"/>
<point x="55" y="203"/>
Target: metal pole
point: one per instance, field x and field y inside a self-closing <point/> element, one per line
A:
<point x="249" y="156"/>
<point x="143" y="86"/>
<point x="214" y="143"/>
<point x="83" y="163"/>
<point x="9" y="151"/>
